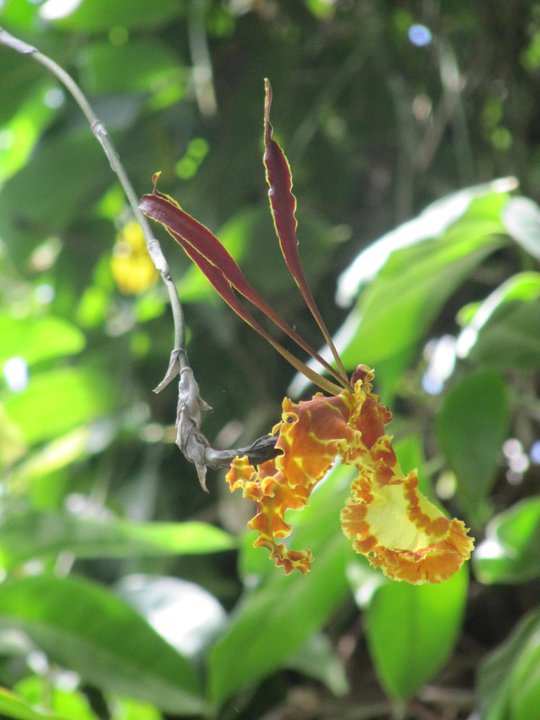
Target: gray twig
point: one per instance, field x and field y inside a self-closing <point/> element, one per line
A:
<point x="189" y="437"/>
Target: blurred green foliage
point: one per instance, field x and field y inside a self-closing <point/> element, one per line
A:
<point x="126" y="592"/>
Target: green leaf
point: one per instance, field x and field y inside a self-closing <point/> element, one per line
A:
<point x="102" y="15"/>
<point x="521" y="217"/>
<point x="409" y="291"/>
<point x="318" y="660"/>
<point x="433" y="222"/>
<point x="73" y="153"/>
<point x="59" y="400"/>
<point x="471" y="426"/>
<point x="138" y="66"/>
<point x="509" y="554"/>
<point x="38" y="535"/>
<point x="67" y="703"/>
<point x="508" y="679"/>
<point x="36" y="339"/>
<point x="13" y="706"/>
<point x="525" y="683"/>
<point x="412" y="630"/>
<point x="504" y="330"/>
<point x="128" y="709"/>
<point x="418" y="266"/>
<point x="183" y="613"/>
<point x="86" y="629"/>
<point x="23" y="130"/>
<point x="272" y="623"/>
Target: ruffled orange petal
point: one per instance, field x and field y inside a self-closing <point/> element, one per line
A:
<point x="309" y="435"/>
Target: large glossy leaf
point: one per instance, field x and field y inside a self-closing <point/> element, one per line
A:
<point x="413" y="281"/>
<point x="396" y="309"/>
<point x="509" y="552"/>
<point x="273" y="622"/>
<point x="432" y="222"/>
<point x="59" y="400"/>
<point x="412" y="630"/>
<point x="471" y="427"/>
<point x="87" y="629"/>
<point x="38" y="535"/>
<point x="508" y="682"/>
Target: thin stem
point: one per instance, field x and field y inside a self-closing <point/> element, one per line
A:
<point x="100" y="132"/>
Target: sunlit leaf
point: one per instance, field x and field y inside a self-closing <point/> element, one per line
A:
<point x="414" y="279"/>
<point x="71" y="704"/>
<point x="18" y="708"/>
<point x="122" y="708"/>
<point x="35" y="339"/>
<point x="24" y="130"/>
<point x="101" y="15"/>
<point x="183" y="613"/>
<point x="522" y="220"/>
<point x="504" y="330"/>
<point x="509" y="552"/>
<point x="412" y="630"/>
<point x="138" y="66"/>
<point x="433" y="222"/>
<point x="86" y="629"/>
<point x="73" y="154"/>
<point x="43" y="534"/>
<point x="57" y="401"/>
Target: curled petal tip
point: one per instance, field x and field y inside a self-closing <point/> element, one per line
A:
<point x="155" y="180"/>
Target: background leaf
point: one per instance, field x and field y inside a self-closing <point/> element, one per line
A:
<point x="471" y="427"/>
<point x="509" y="552"/>
<point x="98" y="636"/>
<point x="502" y="331"/>
<point x="46" y="534"/>
<point x="410" y="652"/>
<point x="36" y="339"/>
<point x="59" y="400"/>
<point x="272" y="623"/>
<point x="522" y="220"/>
<point x="504" y="678"/>
<point x="16" y="707"/>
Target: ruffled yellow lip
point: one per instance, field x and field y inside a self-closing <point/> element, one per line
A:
<point x="386" y="517"/>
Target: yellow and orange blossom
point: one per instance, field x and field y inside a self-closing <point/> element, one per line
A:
<point x="386" y="517"/>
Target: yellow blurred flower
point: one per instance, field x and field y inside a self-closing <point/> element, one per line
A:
<point x="131" y="265"/>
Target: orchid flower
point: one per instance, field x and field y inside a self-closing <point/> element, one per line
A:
<point x="386" y="517"/>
